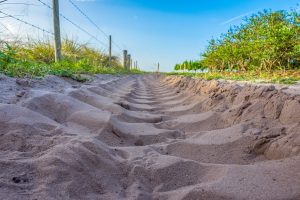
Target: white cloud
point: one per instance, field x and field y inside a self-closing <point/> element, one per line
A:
<point x="237" y="17"/>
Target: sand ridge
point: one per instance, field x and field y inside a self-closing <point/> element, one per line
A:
<point x="148" y="137"/>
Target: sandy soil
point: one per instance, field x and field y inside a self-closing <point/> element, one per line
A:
<point x="148" y="137"/>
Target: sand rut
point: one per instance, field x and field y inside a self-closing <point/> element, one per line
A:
<point x="149" y="137"/>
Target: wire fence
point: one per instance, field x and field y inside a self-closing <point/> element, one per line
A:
<point x="25" y="22"/>
<point x="94" y="37"/>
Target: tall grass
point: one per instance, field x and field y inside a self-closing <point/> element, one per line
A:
<point x="277" y="76"/>
<point x="35" y="58"/>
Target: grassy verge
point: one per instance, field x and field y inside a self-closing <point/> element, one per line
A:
<point x="280" y="77"/>
<point x="64" y="68"/>
<point x="35" y="59"/>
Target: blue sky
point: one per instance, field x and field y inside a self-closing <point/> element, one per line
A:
<point x="165" y="31"/>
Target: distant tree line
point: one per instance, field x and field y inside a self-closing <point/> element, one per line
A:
<point x="190" y="66"/>
<point x="265" y="41"/>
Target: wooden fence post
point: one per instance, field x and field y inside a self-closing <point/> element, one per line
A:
<point x="125" y="59"/>
<point x="56" y="26"/>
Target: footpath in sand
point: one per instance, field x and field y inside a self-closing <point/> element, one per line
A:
<point x="148" y="137"/>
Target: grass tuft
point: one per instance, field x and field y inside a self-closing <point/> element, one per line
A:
<point x="35" y="59"/>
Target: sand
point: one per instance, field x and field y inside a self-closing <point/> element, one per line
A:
<point x="148" y="137"/>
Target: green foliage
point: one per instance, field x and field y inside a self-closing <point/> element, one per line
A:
<point x="190" y="66"/>
<point x="266" y="47"/>
<point x="7" y="54"/>
<point x="276" y="76"/>
<point x="35" y="58"/>
<point x="266" y="41"/>
<point x="25" y="69"/>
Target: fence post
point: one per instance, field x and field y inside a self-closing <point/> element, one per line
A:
<point x="125" y="59"/>
<point x="157" y="67"/>
<point x="128" y="61"/>
<point x="56" y="26"/>
<point x="110" y="48"/>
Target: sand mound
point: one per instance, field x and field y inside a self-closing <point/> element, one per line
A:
<point x="148" y="137"/>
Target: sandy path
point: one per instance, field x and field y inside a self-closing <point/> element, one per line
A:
<point x="148" y="137"/>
